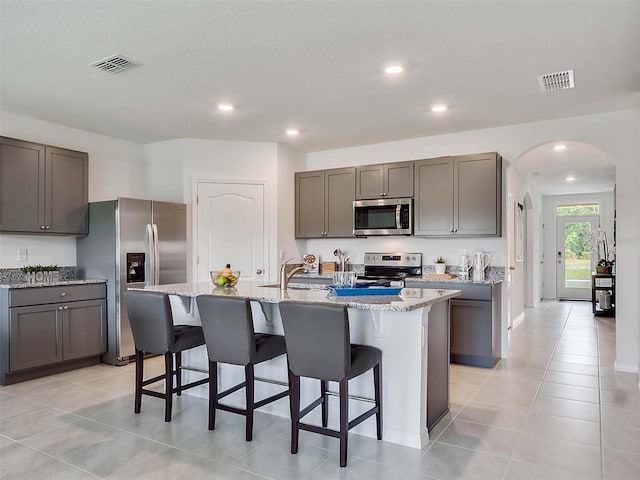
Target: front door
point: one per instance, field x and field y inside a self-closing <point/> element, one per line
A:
<point x="573" y="257"/>
<point x="231" y="229"/>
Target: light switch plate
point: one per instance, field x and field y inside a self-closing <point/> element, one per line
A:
<point x="22" y="255"/>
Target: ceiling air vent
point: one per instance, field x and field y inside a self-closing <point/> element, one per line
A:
<point x="556" y="81"/>
<point x="114" y="64"/>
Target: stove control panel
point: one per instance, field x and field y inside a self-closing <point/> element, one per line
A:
<point x="393" y="259"/>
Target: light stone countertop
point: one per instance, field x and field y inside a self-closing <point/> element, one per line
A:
<point x="408" y="299"/>
<point x="423" y="279"/>
<point x="59" y="283"/>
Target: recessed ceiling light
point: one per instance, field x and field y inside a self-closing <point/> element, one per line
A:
<point x="292" y="132"/>
<point x="535" y="174"/>
<point x="226" y="107"/>
<point x="394" y="69"/>
<point x="439" y="108"/>
<point x="570" y="179"/>
<point x="559" y="147"/>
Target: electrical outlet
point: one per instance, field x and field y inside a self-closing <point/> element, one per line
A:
<point x="22" y="255"/>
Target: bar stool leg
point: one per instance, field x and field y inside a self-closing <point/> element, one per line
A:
<point x="249" y="396"/>
<point x="168" y="385"/>
<point x="377" y="382"/>
<point x="325" y="404"/>
<point x="213" y="393"/>
<point x="294" y="385"/>
<point x="178" y="373"/>
<point x="344" y="420"/>
<point x="139" y="380"/>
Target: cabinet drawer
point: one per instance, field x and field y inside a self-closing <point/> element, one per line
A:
<point x="69" y="293"/>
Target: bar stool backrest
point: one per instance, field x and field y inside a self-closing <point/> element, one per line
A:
<point x="227" y="323"/>
<point x="317" y="338"/>
<point x="151" y="321"/>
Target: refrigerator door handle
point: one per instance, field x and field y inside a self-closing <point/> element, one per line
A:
<point x="156" y="255"/>
<point x="151" y="256"/>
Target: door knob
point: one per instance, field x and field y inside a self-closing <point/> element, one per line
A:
<point x="259" y="271"/>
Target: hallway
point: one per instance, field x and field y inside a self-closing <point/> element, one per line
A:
<point x="555" y="409"/>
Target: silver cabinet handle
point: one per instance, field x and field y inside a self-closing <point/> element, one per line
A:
<point x="63" y="294"/>
<point x="259" y="271"/>
<point x="59" y="308"/>
<point x="65" y="307"/>
<point x="43" y="227"/>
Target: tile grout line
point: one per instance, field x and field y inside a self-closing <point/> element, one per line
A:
<point x="517" y="443"/>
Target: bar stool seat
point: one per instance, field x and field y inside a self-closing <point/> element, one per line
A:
<point x="153" y="332"/>
<point x="227" y="323"/>
<point x="318" y="346"/>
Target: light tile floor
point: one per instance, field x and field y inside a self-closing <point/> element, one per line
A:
<point x="555" y="409"/>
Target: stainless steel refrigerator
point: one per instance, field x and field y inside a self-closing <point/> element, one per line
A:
<point x="132" y="243"/>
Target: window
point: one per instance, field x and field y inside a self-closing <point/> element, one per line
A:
<point x="578" y="209"/>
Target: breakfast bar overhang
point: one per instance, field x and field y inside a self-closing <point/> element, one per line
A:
<point x="411" y="329"/>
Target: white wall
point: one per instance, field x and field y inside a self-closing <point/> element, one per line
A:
<point x="289" y="162"/>
<point x="116" y="168"/>
<point x="616" y="133"/>
<point x="517" y="189"/>
<point x="550" y="204"/>
<point x="173" y="168"/>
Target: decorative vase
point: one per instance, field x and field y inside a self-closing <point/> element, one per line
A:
<point x="441" y="267"/>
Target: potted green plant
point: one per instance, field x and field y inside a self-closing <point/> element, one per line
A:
<point x="441" y="265"/>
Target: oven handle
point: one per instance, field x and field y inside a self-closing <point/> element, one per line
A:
<point x="398" y="209"/>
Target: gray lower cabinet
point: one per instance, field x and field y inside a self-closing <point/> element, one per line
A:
<point x="475" y="322"/>
<point x="40" y="333"/>
<point x="390" y="180"/>
<point x="459" y="196"/>
<point x="324" y="203"/>
<point x="43" y="189"/>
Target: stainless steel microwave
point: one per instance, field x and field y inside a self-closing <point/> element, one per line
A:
<point x="386" y="216"/>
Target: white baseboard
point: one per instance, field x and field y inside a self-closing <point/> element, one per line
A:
<point x="517" y="320"/>
<point x="625" y="367"/>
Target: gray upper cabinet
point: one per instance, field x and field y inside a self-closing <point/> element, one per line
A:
<point x="44" y="189"/>
<point x="324" y="203"/>
<point x="459" y="196"/>
<point x="388" y="180"/>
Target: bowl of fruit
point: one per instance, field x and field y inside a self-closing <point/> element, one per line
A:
<point x="225" y="277"/>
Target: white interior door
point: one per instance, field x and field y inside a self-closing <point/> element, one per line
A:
<point x="231" y="229"/>
<point x="573" y="257"/>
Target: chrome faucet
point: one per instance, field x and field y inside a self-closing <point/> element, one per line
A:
<point x="284" y="277"/>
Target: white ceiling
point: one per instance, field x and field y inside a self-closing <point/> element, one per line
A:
<point x="314" y="65"/>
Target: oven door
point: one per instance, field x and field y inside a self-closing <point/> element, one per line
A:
<point x="391" y="216"/>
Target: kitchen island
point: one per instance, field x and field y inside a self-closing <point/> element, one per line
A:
<point x="411" y="329"/>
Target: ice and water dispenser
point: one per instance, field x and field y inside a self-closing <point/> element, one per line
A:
<point x="135" y="268"/>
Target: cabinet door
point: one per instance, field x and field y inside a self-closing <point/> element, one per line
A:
<point x="398" y="179"/>
<point x="66" y="191"/>
<point x="35" y="336"/>
<point x="84" y="328"/>
<point x="309" y="204"/>
<point x="471" y="333"/>
<point x="22" y="174"/>
<point x="339" y="196"/>
<point x="370" y="182"/>
<point x="478" y="193"/>
<point x="433" y="197"/>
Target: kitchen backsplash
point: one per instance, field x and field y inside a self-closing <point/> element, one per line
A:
<point x="16" y="275"/>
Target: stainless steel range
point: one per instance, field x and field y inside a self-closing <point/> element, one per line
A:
<point x="394" y="267"/>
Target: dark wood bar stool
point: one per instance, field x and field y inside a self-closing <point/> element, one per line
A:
<point x="153" y="331"/>
<point x="227" y="323"/>
<point x="317" y="338"/>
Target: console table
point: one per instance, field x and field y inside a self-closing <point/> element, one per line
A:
<point x="603" y="294"/>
